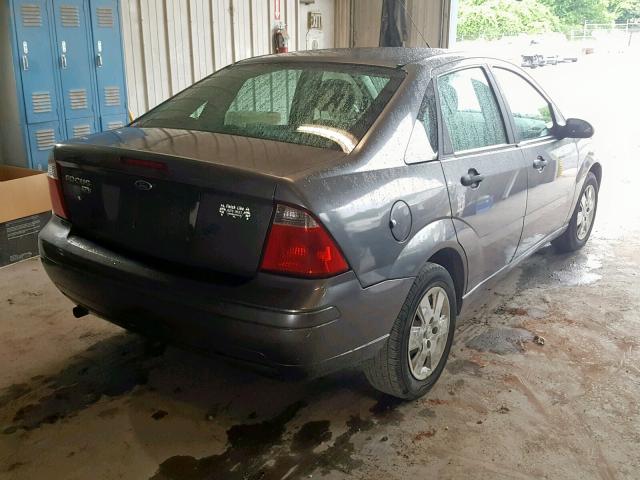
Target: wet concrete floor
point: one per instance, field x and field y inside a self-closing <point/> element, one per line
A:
<point x="543" y="382"/>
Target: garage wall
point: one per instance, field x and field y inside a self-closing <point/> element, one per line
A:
<point x="325" y="37"/>
<point x="342" y="24"/>
<point x="170" y="44"/>
<point x="431" y="18"/>
<point x="366" y="22"/>
<point x="12" y="148"/>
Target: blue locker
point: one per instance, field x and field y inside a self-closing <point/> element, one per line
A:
<point x="37" y="70"/>
<point x="69" y="70"/>
<point x="107" y="48"/>
<point x="73" y="44"/>
<point x="38" y="79"/>
<point x="81" y="127"/>
<point x="113" y="122"/>
<point x="42" y="138"/>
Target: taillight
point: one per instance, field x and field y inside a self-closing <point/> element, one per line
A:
<point x="299" y="245"/>
<point x="55" y="190"/>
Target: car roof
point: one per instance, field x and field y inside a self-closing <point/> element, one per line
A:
<point x="378" y="56"/>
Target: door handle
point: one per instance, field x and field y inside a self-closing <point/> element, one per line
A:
<point x="99" y="60"/>
<point x="25" y="63"/>
<point x="63" y="61"/>
<point x="539" y="163"/>
<point x="472" y="178"/>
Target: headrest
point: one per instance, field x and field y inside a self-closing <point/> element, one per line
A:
<point x="449" y="96"/>
<point x="335" y="93"/>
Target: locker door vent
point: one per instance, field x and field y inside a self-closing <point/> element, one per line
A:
<point x="105" y="17"/>
<point x="45" y="139"/>
<point x="81" y="130"/>
<point x="41" y="102"/>
<point x="114" y="125"/>
<point x="70" y="16"/>
<point x="112" y="96"/>
<point x="78" y="98"/>
<point x="31" y="15"/>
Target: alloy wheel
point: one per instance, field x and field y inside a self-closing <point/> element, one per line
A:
<point x="429" y="333"/>
<point x="586" y="212"/>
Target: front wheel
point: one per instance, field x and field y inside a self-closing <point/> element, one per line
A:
<point x="577" y="233"/>
<point x="416" y="351"/>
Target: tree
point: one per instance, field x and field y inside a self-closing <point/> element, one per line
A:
<point x="623" y="10"/>
<point x="496" y="18"/>
<point x="575" y="12"/>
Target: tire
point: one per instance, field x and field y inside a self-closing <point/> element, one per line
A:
<point x="573" y="239"/>
<point x="389" y="371"/>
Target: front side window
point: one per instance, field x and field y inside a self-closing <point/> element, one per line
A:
<point x="322" y="105"/>
<point x="531" y="112"/>
<point x="470" y="110"/>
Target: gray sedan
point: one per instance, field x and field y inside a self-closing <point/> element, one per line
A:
<point x="311" y="211"/>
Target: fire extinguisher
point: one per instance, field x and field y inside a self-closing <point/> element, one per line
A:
<point x="281" y="39"/>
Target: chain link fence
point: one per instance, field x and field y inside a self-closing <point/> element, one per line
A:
<point x="607" y="37"/>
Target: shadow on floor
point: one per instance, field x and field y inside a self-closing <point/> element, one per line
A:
<point x="258" y="408"/>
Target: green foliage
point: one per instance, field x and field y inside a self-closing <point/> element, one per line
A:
<point x="496" y="18"/>
<point x="623" y="10"/>
<point x="575" y="12"/>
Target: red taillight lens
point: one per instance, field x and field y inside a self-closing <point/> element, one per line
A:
<point x="299" y="245"/>
<point x="55" y="190"/>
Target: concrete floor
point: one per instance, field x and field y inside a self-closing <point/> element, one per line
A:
<point x="83" y="399"/>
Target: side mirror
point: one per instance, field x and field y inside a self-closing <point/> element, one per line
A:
<point x="576" y="128"/>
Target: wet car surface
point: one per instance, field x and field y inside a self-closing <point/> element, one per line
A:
<point x="83" y="399"/>
<point x="306" y="233"/>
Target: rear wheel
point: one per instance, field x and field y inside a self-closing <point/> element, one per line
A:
<point x="416" y="351"/>
<point x="581" y="223"/>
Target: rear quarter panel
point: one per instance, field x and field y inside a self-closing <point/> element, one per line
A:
<point x="354" y="199"/>
<point x="357" y="208"/>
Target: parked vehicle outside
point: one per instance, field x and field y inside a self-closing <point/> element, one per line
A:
<point x="311" y="211"/>
<point x="533" y="56"/>
<point x="549" y="49"/>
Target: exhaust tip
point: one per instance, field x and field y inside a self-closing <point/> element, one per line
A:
<point x="79" y="311"/>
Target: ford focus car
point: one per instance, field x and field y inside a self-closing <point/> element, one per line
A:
<point x="307" y="212"/>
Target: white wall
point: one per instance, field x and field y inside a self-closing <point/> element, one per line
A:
<point x="326" y="35"/>
<point x="170" y="44"/>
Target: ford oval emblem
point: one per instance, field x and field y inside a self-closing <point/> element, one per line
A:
<point x="143" y="185"/>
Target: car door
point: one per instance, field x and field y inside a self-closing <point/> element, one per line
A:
<point x="552" y="163"/>
<point x="485" y="173"/>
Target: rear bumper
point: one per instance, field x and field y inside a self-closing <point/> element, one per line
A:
<point x="310" y="326"/>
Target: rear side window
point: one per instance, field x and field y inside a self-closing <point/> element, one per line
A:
<point x="530" y="110"/>
<point x="427" y="115"/>
<point x="470" y="111"/>
<point x="322" y="105"/>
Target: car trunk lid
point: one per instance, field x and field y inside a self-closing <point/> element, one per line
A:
<point x="195" y="199"/>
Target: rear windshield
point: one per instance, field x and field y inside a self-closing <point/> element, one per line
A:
<point x="322" y="105"/>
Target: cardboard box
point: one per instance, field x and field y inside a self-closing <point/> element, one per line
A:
<point x="25" y="207"/>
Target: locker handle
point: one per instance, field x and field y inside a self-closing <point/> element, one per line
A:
<point x="63" y="60"/>
<point x="25" y="63"/>
<point x="99" y="60"/>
